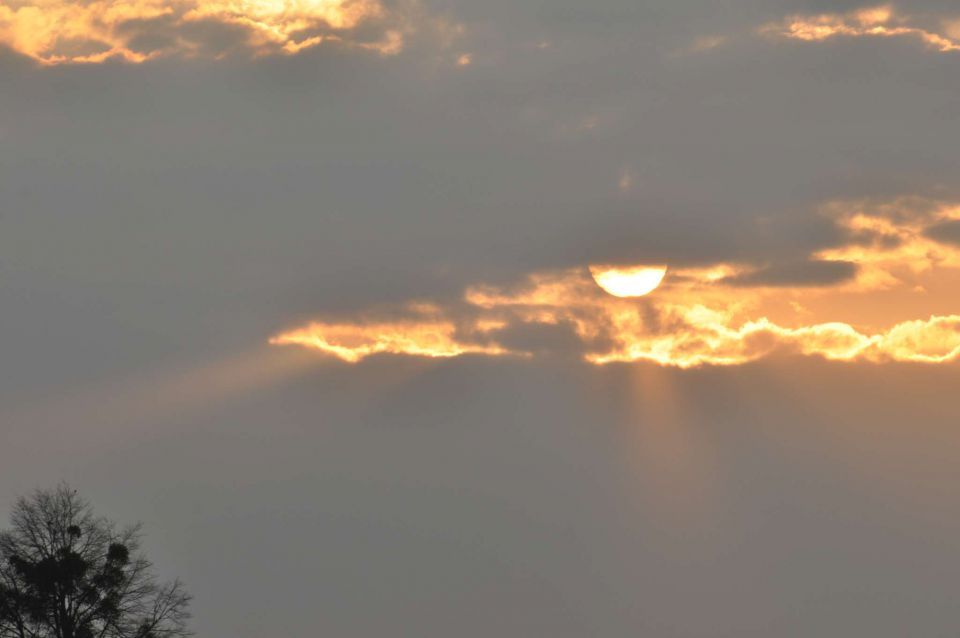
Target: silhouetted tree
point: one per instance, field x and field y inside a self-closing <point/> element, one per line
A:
<point x="66" y="573"/>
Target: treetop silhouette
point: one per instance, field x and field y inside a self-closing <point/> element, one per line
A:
<point x="68" y="573"/>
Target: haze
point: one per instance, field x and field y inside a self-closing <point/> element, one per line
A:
<point x="306" y="288"/>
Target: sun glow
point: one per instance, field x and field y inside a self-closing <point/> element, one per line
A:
<point x="635" y="281"/>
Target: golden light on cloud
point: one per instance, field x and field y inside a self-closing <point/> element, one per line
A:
<point x="896" y="247"/>
<point x="879" y="21"/>
<point x="893" y="299"/>
<point x="635" y="281"/>
<point x="352" y="342"/>
<point x="61" y="31"/>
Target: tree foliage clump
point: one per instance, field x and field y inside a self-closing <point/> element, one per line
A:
<point x="67" y="573"/>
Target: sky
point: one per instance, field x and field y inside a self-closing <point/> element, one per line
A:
<point x="434" y="317"/>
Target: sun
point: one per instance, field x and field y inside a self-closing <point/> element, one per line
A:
<point x="629" y="281"/>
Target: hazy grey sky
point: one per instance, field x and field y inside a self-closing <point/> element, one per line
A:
<point x="162" y="218"/>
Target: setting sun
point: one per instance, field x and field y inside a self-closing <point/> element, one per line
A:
<point x="634" y="281"/>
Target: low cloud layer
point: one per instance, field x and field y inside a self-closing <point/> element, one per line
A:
<point x="719" y="314"/>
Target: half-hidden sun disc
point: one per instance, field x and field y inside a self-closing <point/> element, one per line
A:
<point x="629" y="281"/>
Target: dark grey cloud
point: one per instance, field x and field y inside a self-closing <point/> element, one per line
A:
<point x="540" y="338"/>
<point x="801" y="273"/>
<point x="947" y="232"/>
<point x="344" y="176"/>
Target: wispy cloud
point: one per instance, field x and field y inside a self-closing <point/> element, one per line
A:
<point x="872" y="22"/>
<point x="61" y="31"/>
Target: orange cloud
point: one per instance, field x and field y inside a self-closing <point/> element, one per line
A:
<point x="891" y="243"/>
<point x="61" y="31"/>
<point x="881" y="21"/>
<point x="719" y="314"/>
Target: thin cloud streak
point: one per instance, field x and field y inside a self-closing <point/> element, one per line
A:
<point x="878" y="22"/>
